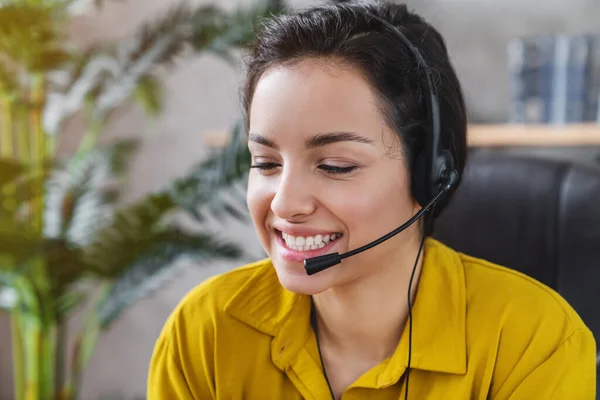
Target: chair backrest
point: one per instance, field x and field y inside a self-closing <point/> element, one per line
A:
<point x="538" y="216"/>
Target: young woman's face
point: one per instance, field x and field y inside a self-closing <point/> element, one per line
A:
<point x="330" y="175"/>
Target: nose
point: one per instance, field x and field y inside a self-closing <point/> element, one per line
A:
<point x="293" y="198"/>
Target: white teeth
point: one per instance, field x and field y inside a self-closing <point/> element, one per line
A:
<point x="305" y="243"/>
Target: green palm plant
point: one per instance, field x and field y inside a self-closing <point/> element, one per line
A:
<point x="65" y="237"/>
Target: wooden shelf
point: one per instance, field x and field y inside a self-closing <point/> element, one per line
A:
<point x="576" y="135"/>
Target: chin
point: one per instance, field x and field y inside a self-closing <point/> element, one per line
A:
<point x="297" y="281"/>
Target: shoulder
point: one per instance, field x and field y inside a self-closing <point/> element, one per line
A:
<point x="219" y="289"/>
<point x="501" y="301"/>
<point x="524" y="326"/>
<point x="518" y="297"/>
<point x="205" y="304"/>
<point x="184" y="357"/>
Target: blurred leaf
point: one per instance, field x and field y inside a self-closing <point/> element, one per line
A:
<point x="163" y="38"/>
<point x="64" y="264"/>
<point x="24" y="187"/>
<point x="219" y="31"/>
<point x="67" y="302"/>
<point x="149" y="94"/>
<point x="119" y="154"/>
<point x="116" y="245"/>
<point x="156" y="43"/>
<point x="17" y="242"/>
<point x="225" y="170"/>
<point x="78" y="65"/>
<point x="31" y="36"/>
<point x="48" y="60"/>
<point x="8" y="84"/>
<point x="153" y="264"/>
<point x="9" y="171"/>
<point x="78" y="198"/>
<point x="22" y="290"/>
<point x="107" y="75"/>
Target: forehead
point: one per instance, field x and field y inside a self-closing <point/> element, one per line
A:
<point x="315" y="96"/>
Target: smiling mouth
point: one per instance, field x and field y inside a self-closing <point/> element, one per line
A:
<point x="307" y="243"/>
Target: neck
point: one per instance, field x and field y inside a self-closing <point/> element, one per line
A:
<point x="365" y="318"/>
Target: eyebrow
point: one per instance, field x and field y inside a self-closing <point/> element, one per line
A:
<point x="260" y="139"/>
<point x="318" y="140"/>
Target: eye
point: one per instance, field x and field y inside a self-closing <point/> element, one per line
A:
<point x="331" y="169"/>
<point x="265" y="166"/>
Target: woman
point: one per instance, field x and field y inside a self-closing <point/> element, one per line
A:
<point x="338" y="114"/>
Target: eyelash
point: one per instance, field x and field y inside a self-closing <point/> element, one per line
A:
<point x="330" y="169"/>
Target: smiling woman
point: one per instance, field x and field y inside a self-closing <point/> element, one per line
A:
<point x="313" y="174"/>
<point x="342" y="119"/>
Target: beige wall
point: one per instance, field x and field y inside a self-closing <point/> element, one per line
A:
<point x="203" y="95"/>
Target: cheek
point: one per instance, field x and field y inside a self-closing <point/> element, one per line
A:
<point x="374" y="208"/>
<point x="258" y="198"/>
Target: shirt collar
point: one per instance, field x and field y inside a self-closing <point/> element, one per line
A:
<point x="439" y="341"/>
<point x="439" y="317"/>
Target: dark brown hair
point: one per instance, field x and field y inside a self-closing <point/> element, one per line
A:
<point x="344" y="31"/>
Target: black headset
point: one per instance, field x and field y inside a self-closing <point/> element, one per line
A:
<point x="433" y="166"/>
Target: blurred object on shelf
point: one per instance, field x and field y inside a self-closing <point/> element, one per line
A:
<point x="555" y="79"/>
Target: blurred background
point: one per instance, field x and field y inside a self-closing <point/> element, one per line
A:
<point x="127" y="190"/>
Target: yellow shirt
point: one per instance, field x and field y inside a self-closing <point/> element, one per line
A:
<point x="480" y="331"/>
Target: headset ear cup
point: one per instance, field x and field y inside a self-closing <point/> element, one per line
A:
<point x="419" y="180"/>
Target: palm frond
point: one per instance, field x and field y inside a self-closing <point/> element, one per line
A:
<point x="24" y="189"/>
<point x="9" y="171"/>
<point x="109" y="74"/>
<point x="80" y="197"/>
<point x="155" y="264"/>
<point x="115" y="245"/>
<point x="90" y="73"/>
<point x="22" y="292"/>
<point x="164" y="38"/>
<point x="69" y="301"/>
<point x="217" y="185"/>
<point x="17" y="243"/>
<point x="219" y="32"/>
<point x="30" y="36"/>
<point x="8" y="83"/>
<point x="148" y="94"/>
<point x="158" y="43"/>
<point x="64" y="262"/>
<point x="113" y="73"/>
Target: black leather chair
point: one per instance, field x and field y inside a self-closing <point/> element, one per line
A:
<point x="538" y="216"/>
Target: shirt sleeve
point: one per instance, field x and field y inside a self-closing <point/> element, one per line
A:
<point x="569" y="373"/>
<point x="166" y="379"/>
<point x="182" y="368"/>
